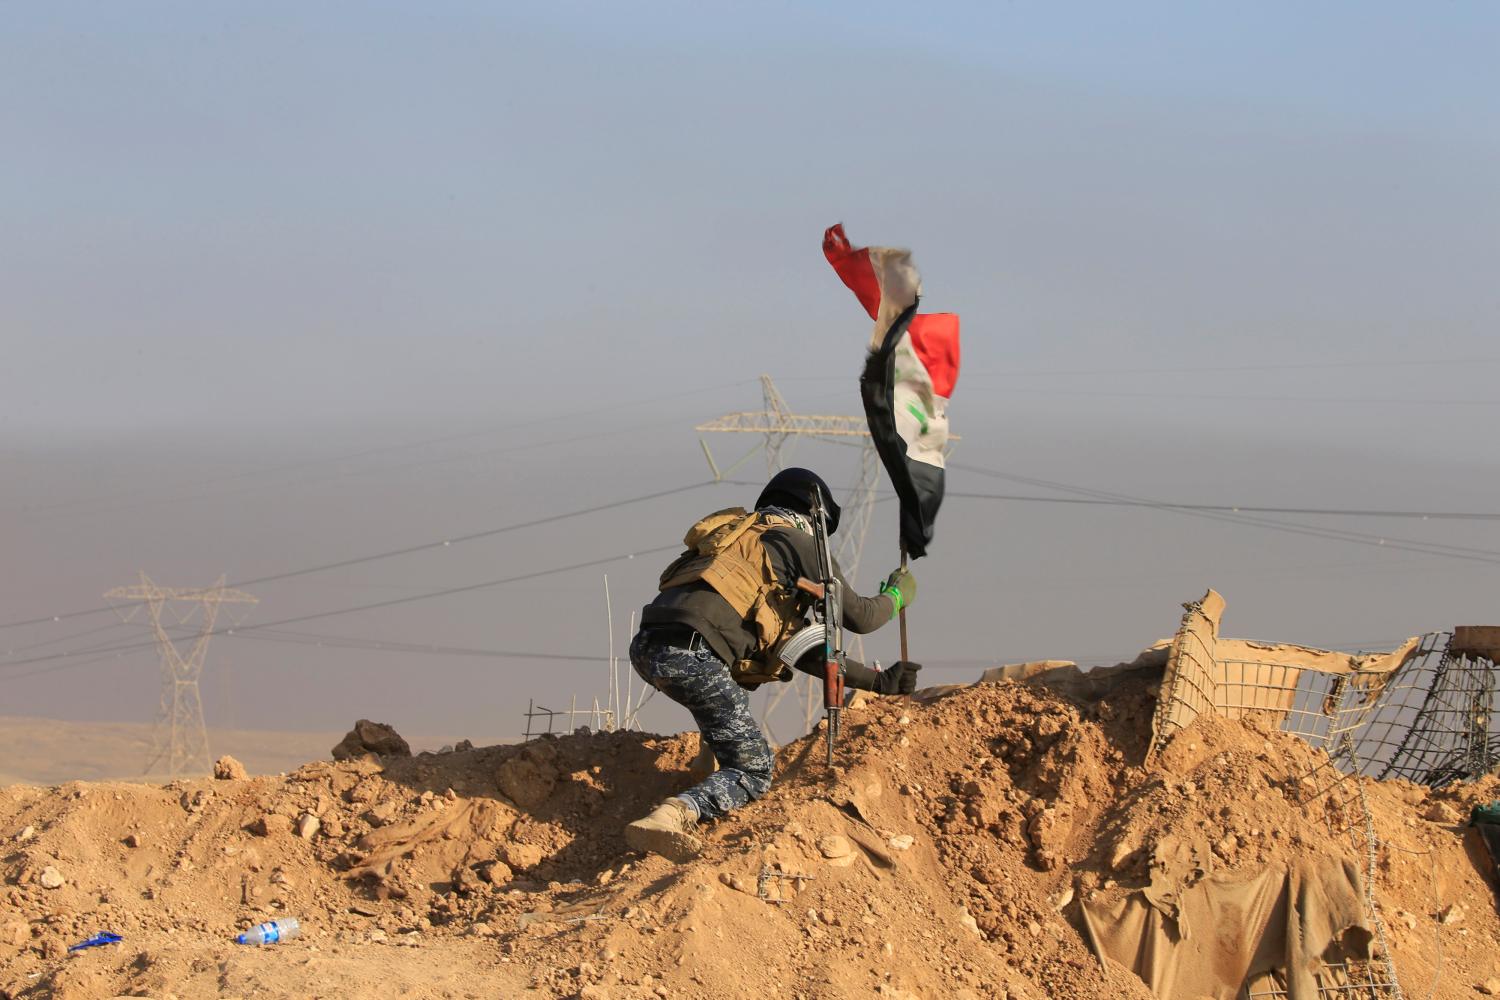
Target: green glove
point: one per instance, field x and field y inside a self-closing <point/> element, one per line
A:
<point x="902" y="588"/>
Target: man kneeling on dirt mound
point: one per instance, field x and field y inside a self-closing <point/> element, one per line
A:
<point x="727" y="606"/>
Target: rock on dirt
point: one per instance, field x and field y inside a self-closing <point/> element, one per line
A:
<point x="527" y="779"/>
<point x="371" y="738"/>
<point x="272" y="825"/>
<point x="51" y="878"/>
<point x="1442" y="812"/>
<point x="226" y="768"/>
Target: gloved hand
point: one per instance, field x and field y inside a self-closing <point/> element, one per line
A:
<point x="899" y="678"/>
<point x="902" y="587"/>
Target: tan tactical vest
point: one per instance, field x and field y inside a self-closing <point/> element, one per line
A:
<point x="725" y="551"/>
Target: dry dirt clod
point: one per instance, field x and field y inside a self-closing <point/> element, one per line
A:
<point x="26" y="834"/>
<point x="226" y="768"/>
<point x="1442" y="812"/>
<point x="834" y="846"/>
<point x="272" y="825"/>
<point x="51" y="878"/>
<point x="1451" y="914"/>
<point x="967" y="921"/>
<point x="307" y="826"/>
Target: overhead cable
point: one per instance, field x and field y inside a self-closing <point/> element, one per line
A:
<point x="374" y="606"/>
<point x="1270" y="524"/>
<point x="406" y="550"/>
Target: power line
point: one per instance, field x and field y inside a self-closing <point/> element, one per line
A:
<point x="1229" y="514"/>
<point x="65" y="638"/>
<point x="474" y="536"/>
<point x="373" y="606"/>
<point x="1192" y="370"/>
<point x="1093" y="498"/>
<point x="1290" y="527"/>
<point x="1169" y="396"/>
<point x="1423" y="515"/>
<point x="1219" y="369"/>
<point x="391" y="646"/>
<point x="407" y="550"/>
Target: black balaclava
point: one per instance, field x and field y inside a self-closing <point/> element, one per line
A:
<point x="792" y="489"/>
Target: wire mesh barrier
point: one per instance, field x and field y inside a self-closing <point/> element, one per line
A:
<point x="1422" y="712"/>
<point x="1187" y="688"/>
<point x="1336" y="981"/>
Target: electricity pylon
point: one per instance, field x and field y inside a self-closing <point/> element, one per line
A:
<point x="179" y="744"/>
<point x="778" y="423"/>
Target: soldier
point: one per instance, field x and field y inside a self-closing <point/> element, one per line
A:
<point x="726" y="607"/>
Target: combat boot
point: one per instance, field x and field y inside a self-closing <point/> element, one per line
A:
<point x="670" y="830"/>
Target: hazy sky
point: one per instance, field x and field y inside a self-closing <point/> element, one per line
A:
<point x="286" y="284"/>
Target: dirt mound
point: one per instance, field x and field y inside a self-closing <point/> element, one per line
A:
<point x="948" y="854"/>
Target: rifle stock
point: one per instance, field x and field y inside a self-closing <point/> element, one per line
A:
<point x="827" y="591"/>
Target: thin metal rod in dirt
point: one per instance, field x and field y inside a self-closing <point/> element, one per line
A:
<point x="904" y="655"/>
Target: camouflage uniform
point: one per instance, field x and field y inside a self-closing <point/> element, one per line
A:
<point x="699" y="681"/>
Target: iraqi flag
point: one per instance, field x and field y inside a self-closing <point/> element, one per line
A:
<point x="908" y="377"/>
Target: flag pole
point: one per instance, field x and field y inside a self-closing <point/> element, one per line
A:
<point x="903" y="606"/>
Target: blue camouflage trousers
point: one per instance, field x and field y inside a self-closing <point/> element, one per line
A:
<point x="699" y="681"/>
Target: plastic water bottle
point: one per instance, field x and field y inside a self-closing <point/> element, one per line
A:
<point x="271" y="931"/>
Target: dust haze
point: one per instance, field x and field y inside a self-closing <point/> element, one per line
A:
<point x="290" y="287"/>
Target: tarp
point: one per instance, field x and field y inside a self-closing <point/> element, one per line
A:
<point x="1210" y="937"/>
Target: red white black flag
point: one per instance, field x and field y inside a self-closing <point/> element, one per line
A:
<point x="908" y="377"/>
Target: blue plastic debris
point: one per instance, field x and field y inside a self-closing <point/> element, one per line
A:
<point x="96" y="941"/>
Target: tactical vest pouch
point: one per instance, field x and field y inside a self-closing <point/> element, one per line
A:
<point x="724" y="551"/>
<point x="752" y="673"/>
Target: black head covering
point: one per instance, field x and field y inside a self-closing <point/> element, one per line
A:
<point x="792" y="489"/>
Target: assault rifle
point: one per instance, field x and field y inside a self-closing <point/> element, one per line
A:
<point x="827" y="590"/>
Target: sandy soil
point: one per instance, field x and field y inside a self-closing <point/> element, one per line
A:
<point x="945" y="855"/>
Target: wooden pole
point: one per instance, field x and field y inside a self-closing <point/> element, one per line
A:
<point x="904" y="654"/>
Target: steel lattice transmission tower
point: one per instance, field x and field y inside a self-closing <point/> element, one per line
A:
<point x="180" y="742"/>
<point x="777" y="423"/>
